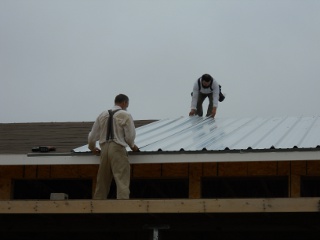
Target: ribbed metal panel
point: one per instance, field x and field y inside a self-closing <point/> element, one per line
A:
<point x="197" y="134"/>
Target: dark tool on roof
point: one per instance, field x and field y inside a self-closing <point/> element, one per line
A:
<point x="43" y="149"/>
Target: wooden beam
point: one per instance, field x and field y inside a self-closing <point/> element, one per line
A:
<point x="11" y="172"/>
<point x="270" y="205"/>
<point x="30" y="172"/>
<point x="232" y="169"/>
<point x="5" y="188"/>
<point x="284" y="168"/>
<point x="195" y="173"/>
<point x="146" y="171"/>
<point x="262" y="168"/>
<point x="313" y="168"/>
<point x="43" y="171"/>
<point x="7" y="173"/>
<point x="210" y="169"/>
<point x="66" y="171"/>
<point x="175" y="170"/>
<point x="298" y="169"/>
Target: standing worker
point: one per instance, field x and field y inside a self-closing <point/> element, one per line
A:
<point x="205" y="86"/>
<point x="115" y="131"/>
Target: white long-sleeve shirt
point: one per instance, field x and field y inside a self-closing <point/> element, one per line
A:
<point x="195" y="94"/>
<point x="123" y="127"/>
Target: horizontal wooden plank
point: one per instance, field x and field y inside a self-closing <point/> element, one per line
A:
<point x="233" y="169"/>
<point x="313" y="168"/>
<point x="175" y="170"/>
<point x="262" y="168"/>
<point x="162" y="206"/>
<point x="11" y="171"/>
<point x="146" y="171"/>
<point x="210" y="169"/>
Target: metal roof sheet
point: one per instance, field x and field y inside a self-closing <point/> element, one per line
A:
<point x="198" y="134"/>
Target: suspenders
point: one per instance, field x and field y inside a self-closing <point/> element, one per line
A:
<point x="221" y="96"/>
<point x="110" y="134"/>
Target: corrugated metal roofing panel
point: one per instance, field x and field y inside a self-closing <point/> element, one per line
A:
<point x="312" y="135"/>
<point x="197" y="134"/>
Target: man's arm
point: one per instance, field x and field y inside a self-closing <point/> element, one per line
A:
<point x="214" y="111"/>
<point x="93" y="137"/>
<point x="135" y="148"/>
<point x="215" y="98"/>
<point x="130" y="134"/>
<point x="195" y="94"/>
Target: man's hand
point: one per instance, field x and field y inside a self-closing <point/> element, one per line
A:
<point x="96" y="151"/>
<point x="214" y="111"/>
<point x="135" y="148"/>
<point x="192" y="112"/>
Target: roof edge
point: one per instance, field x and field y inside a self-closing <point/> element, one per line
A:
<point x="76" y="159"/>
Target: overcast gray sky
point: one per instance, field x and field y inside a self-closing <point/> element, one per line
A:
<point x="66" y="60"/>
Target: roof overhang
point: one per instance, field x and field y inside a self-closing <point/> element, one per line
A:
<point x="162" y="157"/>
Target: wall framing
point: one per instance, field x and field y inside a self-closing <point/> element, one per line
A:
<point x="194" y="171"/>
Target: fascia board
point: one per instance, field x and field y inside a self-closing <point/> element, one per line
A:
<point x="21" y="159"/>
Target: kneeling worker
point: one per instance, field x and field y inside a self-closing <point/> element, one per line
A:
<point x="205" y="86"/>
